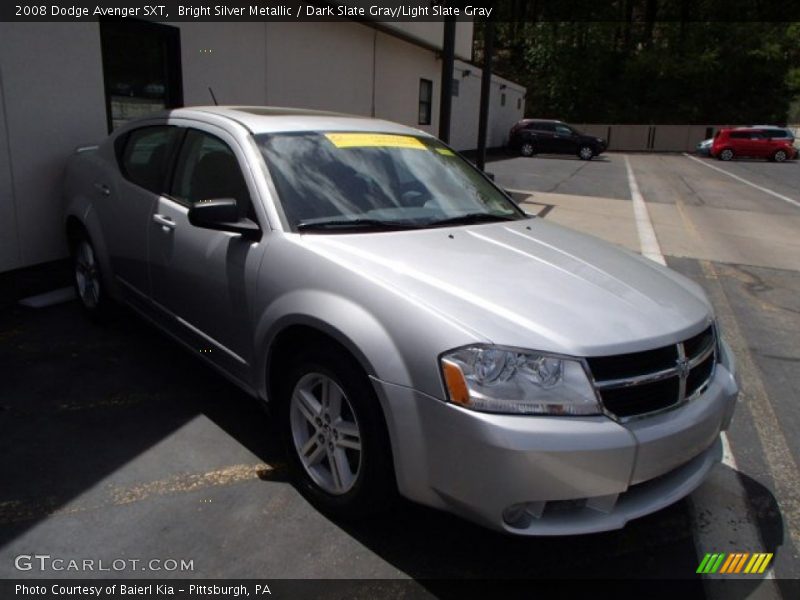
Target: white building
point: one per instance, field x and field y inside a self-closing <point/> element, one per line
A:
<point x="66" y="84"/>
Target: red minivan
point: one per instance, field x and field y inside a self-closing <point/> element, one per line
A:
<point x="753" y="143"/>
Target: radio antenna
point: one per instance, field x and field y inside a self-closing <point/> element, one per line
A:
<point x="213" y="97"/>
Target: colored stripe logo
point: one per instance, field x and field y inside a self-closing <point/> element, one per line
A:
<point x="734" y="563"/>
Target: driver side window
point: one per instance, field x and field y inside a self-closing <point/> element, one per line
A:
<point x="207" y="169"/>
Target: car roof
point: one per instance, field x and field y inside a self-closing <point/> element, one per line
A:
<point x="742" y="129"/>
<point x="758" y="128"/>
<point x="272" y="119"/>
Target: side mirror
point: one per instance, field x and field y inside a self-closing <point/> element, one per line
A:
<point x="222" y="214"/>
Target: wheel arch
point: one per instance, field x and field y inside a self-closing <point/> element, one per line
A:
<point x="74" y="229"/>
<point x="291" y="333"/>
<point x="314" y="314"/>
<point x="87" y="224"/>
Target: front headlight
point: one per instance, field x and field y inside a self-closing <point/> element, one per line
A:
<point x="508" y="380"/>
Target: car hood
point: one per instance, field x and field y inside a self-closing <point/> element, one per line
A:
<point x="590" y="138"/>
<point x="527" y="283"/>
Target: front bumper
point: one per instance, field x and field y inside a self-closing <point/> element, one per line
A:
<point x="535" y="475"/>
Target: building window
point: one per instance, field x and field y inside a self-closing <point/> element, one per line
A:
<point x="141" y="69"/>
<point x="502" y="99"/>
<point x="425" y="101"/>
<point x="456" y="83"/>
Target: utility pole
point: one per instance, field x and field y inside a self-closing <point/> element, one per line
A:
<point x="486" y="91"/>
<point x="448" y="57"/>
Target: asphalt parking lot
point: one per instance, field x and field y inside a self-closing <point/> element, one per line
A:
<point x="118" y="444"/>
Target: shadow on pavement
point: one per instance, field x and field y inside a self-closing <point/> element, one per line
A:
<point x="78" y="401"/>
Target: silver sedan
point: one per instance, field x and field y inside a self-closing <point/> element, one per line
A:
<point x="412" y="329"/>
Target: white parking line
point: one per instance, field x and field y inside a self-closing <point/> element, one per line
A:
<point x="652" y="250"/>
<point x="721" y="501"/>
<point x="644" y="226"/>
<point x="760" y="188"/>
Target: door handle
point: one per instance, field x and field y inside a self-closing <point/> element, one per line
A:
<point x="103" y="189"/>
<point x="165" y="222"/>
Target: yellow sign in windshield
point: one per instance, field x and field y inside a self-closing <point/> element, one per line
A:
<point x="375" y="140"/>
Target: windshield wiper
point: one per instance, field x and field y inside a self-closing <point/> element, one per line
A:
<point x="342" y="225"/>
<point x="469" y="219"/>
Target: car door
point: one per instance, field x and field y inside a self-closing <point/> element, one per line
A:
<point x="739" y="141"/>
<point x="759" y="145"/>
<point x="124" y="204"/>
<point x="203" y="280"/>
<point x="565" y="140"/>
<point x="543" y="136"/>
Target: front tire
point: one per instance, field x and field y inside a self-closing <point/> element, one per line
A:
<point x="780" y="156"/>
<point x="335" y="435"/>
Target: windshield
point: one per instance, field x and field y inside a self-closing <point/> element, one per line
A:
<point x="344" y="181"/>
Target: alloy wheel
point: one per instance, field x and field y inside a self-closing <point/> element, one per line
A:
<point x="325" y="433"/>
<point x="726" y="154"/>
<point x="526" y="149"/>
<point x="780" y="156"/>
<point x="87" y="276"/>
<point x="586" y="153"/>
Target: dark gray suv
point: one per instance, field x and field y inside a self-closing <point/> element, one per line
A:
<point x="544" y="136"/>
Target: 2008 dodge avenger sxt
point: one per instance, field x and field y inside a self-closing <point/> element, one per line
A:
<point x="410" y="326"/>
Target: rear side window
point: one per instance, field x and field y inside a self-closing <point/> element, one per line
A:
<point x="145" y="158"/>
<point x="544" y="127"/>
<point x="740" y="135"/>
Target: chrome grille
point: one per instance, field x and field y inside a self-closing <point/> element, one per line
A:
<point x="640" y="383"/>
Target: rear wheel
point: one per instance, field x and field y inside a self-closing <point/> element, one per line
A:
<point x="335" y="434"/>
<point x="726" y="154"/>
<point x="780" y="156"/>
<point x="586" y="153"/>
<point x="88" y="280"/>
<point x="527" y="149"/>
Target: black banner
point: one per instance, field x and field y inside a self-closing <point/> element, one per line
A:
<point x="733" y="588"/>
<point x="399" y="11"/>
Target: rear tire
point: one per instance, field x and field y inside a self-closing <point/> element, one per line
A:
<point x="88" y="279"/>
<point x="586" y="153"/>
<point x="335" y="434"/>
<point x="726" y="155"/>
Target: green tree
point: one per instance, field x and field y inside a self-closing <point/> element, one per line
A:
<point x="648" y="61"/>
